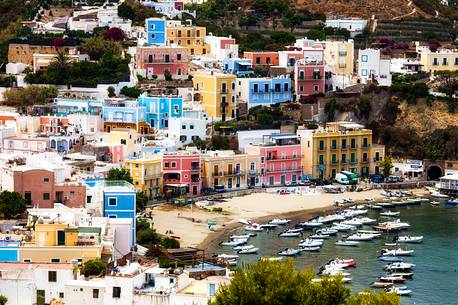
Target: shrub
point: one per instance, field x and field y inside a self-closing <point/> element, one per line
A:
<point x="170" y="243"/>
<point x="93" y="267"/>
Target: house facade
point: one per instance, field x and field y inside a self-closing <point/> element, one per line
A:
<point x="160" y="109"/>
<point x="262" y="59"/>
<point x="238" y="66"/>
<point x="146" y="174"/>
<point x="263" y="91"/>
<point x="189" y="36"/>
<point x="156" y="33"/>
<point x="182" y="172"/>
<point x="125" y="114"/>
<point x="309" y="77"/>
<point x="153" y="62"/>
<point x="373" y="67"/>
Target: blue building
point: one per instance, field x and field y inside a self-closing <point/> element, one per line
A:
<point x="67" y="105"/>
<point x="238" y="66"/>
<point x="160" y="109"/>
<point x="156" y="31"/>
<point x="264" y="91"/>
<point x="119" y="201"/>
<point x="9" y="250"/>
<point x="124" y="114"/>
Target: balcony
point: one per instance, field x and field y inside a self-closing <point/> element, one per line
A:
<point x="194" y="168"/>
<point x="367" y="145"/>
<point x="217" y="174"/>
<point x="286" y="169"/>
<point x="284" y="158"/>
<point x="334" y="147"/>
<point x="354" y="161"/>
<point x="365" y="160"/>
<point x="234" y="173"/>
<point x="379" y="159"/>
<point x="322" y="148"/>
<point x="353" y="146"/>
<point x="335" y="162"/>
<point x="343" y="162"/>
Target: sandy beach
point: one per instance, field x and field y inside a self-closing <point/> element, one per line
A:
<point x="191" y="224"/>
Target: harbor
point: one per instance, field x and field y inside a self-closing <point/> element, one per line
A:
<point x="410" y="250"/>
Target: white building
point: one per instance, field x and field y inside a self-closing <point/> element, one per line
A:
<point x="86" y="123"/>
<point x="253" y="137"/>
<point x="404" y="65"/>
<point x="354" y="26"/>
<point x="26" y="283"/>
<point x="187" y="130"/>
<point x="371" y="66"/>
<point x="108" y="16"/>
<point x="408" y="168"/>
<point x="51" y="161"/>
<point x="222" y="47"/>
<point x="449" y="184"/>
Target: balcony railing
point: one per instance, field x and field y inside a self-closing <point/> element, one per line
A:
<point x="283" y="158"/>
<point x="195" y="168"/>
<point x="286" y="169"/>
<point x="365" y="160"/>
<point x="234" y="173"/>
<point x="343" y="162"/>
<point x="379" y="159"/>
<point x="366" y="145"/>
<point x="217" y="174"/>
<point x="322" y="148"/>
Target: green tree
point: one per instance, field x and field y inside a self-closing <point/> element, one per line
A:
<point x="449" y="86"/>
<point x="364" y="108"/>
<point x="264" y="119"/>
<point x="372" y="298"/>
<point x="131" y="91"/>
<point x="219" y="143"/>
<point x="119" y="174"/>
<point x="148" y="237"/>
<point x="142" y="224"/>
<point x="97" y="47"/>
<point x="330" y="110"/>
<point x="3" y="300"/>
<point x="141" y="200"/>
<point x="386" y="165"/>
<point x="125" y="10"/>
<point x="93" y="267"/>
<point x="111" y="91"/>
<point x="170" y="243"/>
<point x="11" y="204"/>
<point x="32" y="95"/>
<point x="167" y="75"/>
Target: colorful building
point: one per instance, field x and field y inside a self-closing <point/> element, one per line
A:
<point x="67" y="105"/>
<point x="182" y="171"/>
<point x="217" y="92"/>
<point x="280" y="159"/>
<point x="191" y="37"/>
<point x="309" y="77"/>
<point x="238" y="66"/>
<point x="339" y="56"/>
<point x="160" y="109"/>
<point x="146" y="174"/>
<point x="264" y="59"/>
<point x="264" y="91"/>
<point x="440" y="60"/>
<point x="222" y="47"/>
<point x="119" y="201"/>
<point x="62" y="243"/>
<point x="153" y="62"/>
<point x="341" y="146"/>
<point x="156" y="31"/>
<point x="225" y="169"/>
<point x="9" y="250"/>
<point x="125" y="114"/>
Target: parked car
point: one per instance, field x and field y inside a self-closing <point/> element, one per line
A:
<point x="376" y="178"/>
<point x="220" y="189"/>
<point x="394" y="179"/>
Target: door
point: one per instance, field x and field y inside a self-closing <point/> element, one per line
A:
<point x="194" y="190"/>
<point x="149" y="73"/>
<point x="40" y="297"/>
<point x="271" y="180"/>
<point x="293" y="178"/>
<point x="229" y="183"/>
<point x="60" y="238"/>
<point x="283" y="179"/>
<point x="252" y="181"/>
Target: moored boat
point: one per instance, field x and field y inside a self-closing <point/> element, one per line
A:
<point x="406" y="275"/>
<point x="290" y="234"/>
<point x="347" y="243"/>
<point x="401" y="291"/>
<point x="289" y="252"/>
<point x="310" y="249"/>
<point x="278" y="221"/>
<point x="390" y="214"/>
<point x="409" y="239"/>
<point x="377" y="284"/>
<point x="390" y="258"/>
<point x="252" y="250"/>
<point x="255" y="227"/>
<point x="392" y="279"/>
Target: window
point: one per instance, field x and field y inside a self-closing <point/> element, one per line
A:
<point x="435" y="62"/>
<point x="223" y="88"/>
<point x="61" y="295"/>
<point x="55" y="260"/>
<point x="191" y="126"/>
<point x="321" y="145"/>
<point x="112" y="201"/>
<point x="183" y="126"/>
<point x="46" y="196"/>
<point x="334" y="144"/>
<point x="444" y="61"/>
<point x="302" y="75"/>
<point x="364" y="58"/>
<point x="46" y="180"/>
<point x="255" y="88"/>
<point x="88" y="199"/>
<point x="27" y="260"/>
<point x="95" y="293"/>
<point x="321" y="159"/>
<point x="233" y="85"/>
<point x="266" y="87"/>
<point x="150" y="58"/>
<point x="258" y="60"/>
<point x="344" y="144"/>
<point x="353" y="143"/>
<point x="267" y="60"/>
<point x="52" y="276"/>
<point x="183" y="138"/>
<point x="316" y="88"/>
<point x="123" y="141"/>
<point x="364" y="72"/>
<point x="116" y="292"/>
<point x="286" y="87"/>
<point x="174" y="164"/>
<point x="456" y="60"/>
<point x="166" y="164"/>
<point x="153" y="36"/>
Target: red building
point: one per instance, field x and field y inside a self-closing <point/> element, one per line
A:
<point x="309" y="77"/>
<point x="181" y="172"/>
<point x="262" y="58"/>
<point x="153" y="61"/>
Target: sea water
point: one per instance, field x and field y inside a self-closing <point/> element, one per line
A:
<point x="435" y="278"/>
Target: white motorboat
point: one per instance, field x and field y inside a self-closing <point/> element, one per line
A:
<point x="327" y="231"/>
<point x="312" y="224"/>
<point x="398" y="252"/>
<point x="254" y="227"/>
<point x="390" y="214"/>
<point x="347" y="243"/>
<point x="308" y="242"/>
<point x="381" y="284"/>
<point x="272" y="259"/>
<point x="290" y="234"/>
<point x="409" y="239"/>
<point x="245" y="236"/>
<point x="436" y="194"/>
<point x="296" y="230"/>
<point x="243" y="247"/>
<point x="401" y="291"/>
<point x="227" y="256"/>
<point x="367" y="220"/>
<point x="399" y="266"/>
<point x="318" y="236"/>
<point x="244" y="221"/>
<point x="268" y="226"/>
<point x="277" y="221"/>
<point x="248" y="251"/>
<point x="310" y="249"/>
<point x="343" y="227"/>
<point x="360" y="237"/>
<point x="289" y="252"/>
<point x="392" y="279"/>
<point x="332" y="272"/>
<point x="353" y="222"/>
<point x="234" y="243"/>
<point x="406" y="275"/>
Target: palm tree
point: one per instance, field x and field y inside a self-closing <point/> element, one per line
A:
<point x="61" y="60"/>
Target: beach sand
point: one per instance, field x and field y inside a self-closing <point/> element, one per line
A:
<point x="190" y="224"/>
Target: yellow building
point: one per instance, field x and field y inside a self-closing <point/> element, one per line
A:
<point x="146" y="174"/>
<point x="340" y="146"/>
<point x="61" y="243"/>
<point x="338" y="56"/>
<point x="442" y="60"/>
<point x="233" y="171"/>
<point x="188" y="36"/>
<point x="217" y="92"/>
<point x="128" y="138"/>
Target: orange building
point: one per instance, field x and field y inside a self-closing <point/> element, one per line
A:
<point x="262" y="58"/>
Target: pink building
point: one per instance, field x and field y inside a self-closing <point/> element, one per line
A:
<point x="53" y="124"/>
<point x="280" y="159"/>
<point x="117" y="153"/>
<point x="152" y="60"/>
<point x="181" y="171"/>
<point x="309" y="77"/>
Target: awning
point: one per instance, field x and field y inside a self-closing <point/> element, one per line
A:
<point x="242" y="63"/>
<point x="176" y="184"/>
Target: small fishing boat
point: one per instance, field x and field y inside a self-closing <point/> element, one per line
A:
<point x="310" y="249"/>
<point x="360" y="237"/>
<point x="233" y="243"/>
<point x="436" y="194"/>
<point x="296" y="230"/>
<point x="350" y="262"/>
<point x="353" y="222"/>
<point x="227" y="256"/>
<point x="401" y="291"/>
<point x="347" y="243"/>
<point x="244" y="221"/>
<point x="376" y="207"/>
<point x="280" y="222"/>
<point x="367" y="220"/>
<point x="327" y="231"/>
<point x="392" y="279"/>
<point x="386" y="205"/>
<point x="248" y="251"/>
<point x="245" y="236"/>
<point x="254" y="227"/>
<point x="318" y="236"/>
<point x="290" y="234"/>
<point x="289" y="252"/>
<point x="409" y="239"/>
<point x="243" y="247"/>
<point x="375" y="234"/>
<point x="390" y="214"/>
<point x="268" y="226"/>
<point x="406" y="275"/>
<point x="435" y="203"/>
<point x="312" y="224"/>
<point x="381" y="284"/>
<point x="395" y="267"/>
<point x="343" y="227"/>
<point x="390" y="258"/>
<point x="332" y="272"/>
<point x="451" y="201"/>
<point x="308" y="242"/>
<point x="400" y="203"/>
<point x="398" y="252"/>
